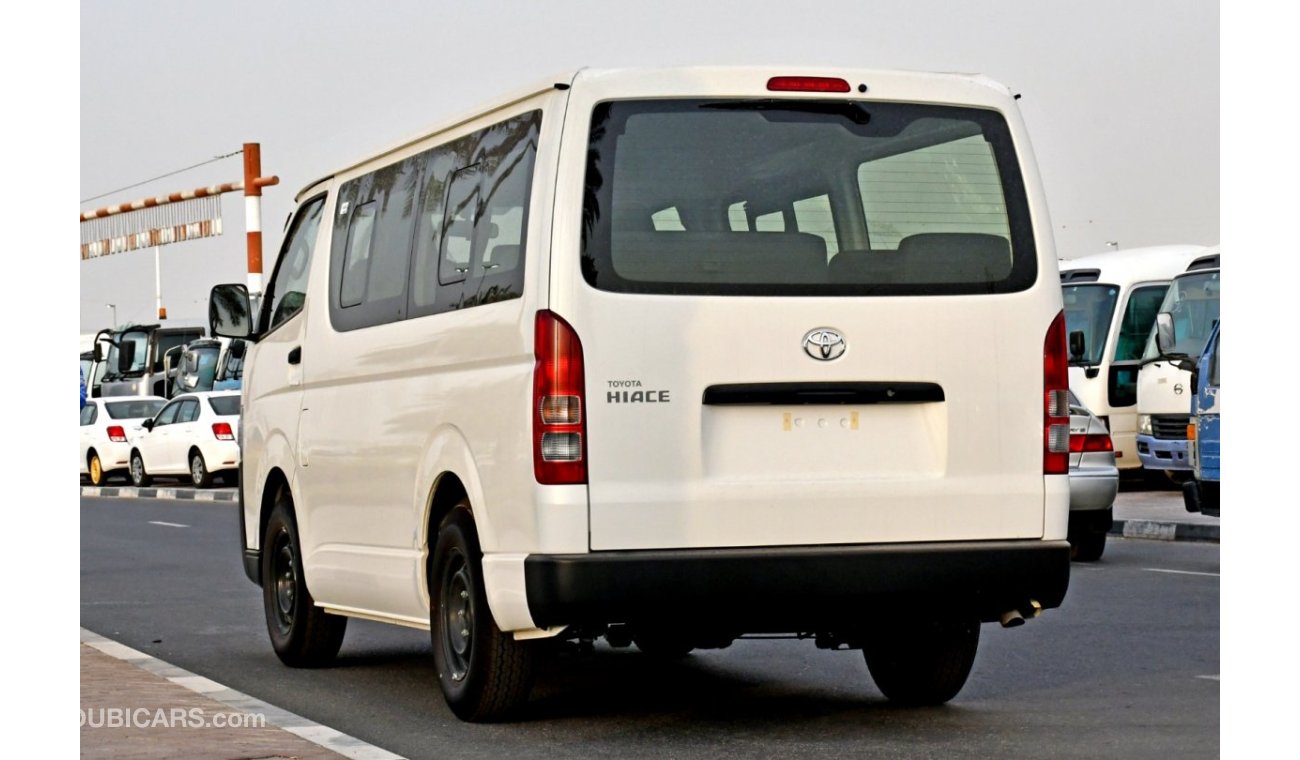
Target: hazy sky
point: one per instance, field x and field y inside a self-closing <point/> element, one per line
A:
<point x="1121" y="98"/>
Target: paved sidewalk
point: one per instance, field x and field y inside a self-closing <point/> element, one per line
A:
<point x="136" y="706"/>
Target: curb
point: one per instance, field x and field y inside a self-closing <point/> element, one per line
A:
<point x="322" y="736"/>
<point x="131" y="492"/>
<point x="1165" y="531"/>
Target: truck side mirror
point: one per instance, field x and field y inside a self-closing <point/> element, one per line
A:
<point x="1165" y="332"/>
<point x="237" y="348"/>
<point x="125" y="356"/>
<point x="1077" y="345"/>
<point x="230" y="311"/>
<point x="98" y="352"/>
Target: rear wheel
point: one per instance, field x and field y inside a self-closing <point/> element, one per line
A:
<point x="138" y="475"/>
<point x="922" y="663"/>
<point x="199" y="474"/>
<point x="96" y="470"/>
<point x="484" y="673"/>
<point x="303" y="635"/>
<point x="1087" y="547"/>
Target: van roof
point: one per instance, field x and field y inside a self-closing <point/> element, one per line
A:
<point x="1152" y="263"/>
<point x="895" y="78"/>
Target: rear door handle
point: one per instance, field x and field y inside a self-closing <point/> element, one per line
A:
<point x="295" y="355"/>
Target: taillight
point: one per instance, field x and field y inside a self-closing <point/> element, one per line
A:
<point x="116" y="434"/>
<point x="807" y="84"/>
<point x="222" y="431"/>
<point x="1084" y="444"/>
<point x="1056" y="400"/>
<point x="559" y="426"/>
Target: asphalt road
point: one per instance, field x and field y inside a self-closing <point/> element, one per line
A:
<point x="1128" y="667"/>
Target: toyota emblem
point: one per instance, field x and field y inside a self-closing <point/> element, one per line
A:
<point x="824" y="344"/>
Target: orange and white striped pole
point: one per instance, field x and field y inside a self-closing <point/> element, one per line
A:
<point x="253" y="184"/>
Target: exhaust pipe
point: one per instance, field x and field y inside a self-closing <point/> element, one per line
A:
<point x="1012" y="618"/>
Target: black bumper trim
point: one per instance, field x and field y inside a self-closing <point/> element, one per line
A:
<point x="794" y="588"/>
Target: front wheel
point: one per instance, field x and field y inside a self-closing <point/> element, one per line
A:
<point x="922" y="663"/>
<point x="303" y="635"/>
<point x="484" y="673"/>
<point x="139" y="477"/>
<point x="199" y="474"/>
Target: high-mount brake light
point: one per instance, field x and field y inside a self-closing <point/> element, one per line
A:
<point x="807" y="84"/>
<point x="1056" y="400"/>
<point x="559" y="430"/>
<point x="222" y="431"/>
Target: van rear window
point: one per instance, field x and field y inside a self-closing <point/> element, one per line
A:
<point x="803" y="197"/>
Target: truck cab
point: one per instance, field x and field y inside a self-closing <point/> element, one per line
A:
<point x="134" y="357"/>
<point x="1201" y="493"/>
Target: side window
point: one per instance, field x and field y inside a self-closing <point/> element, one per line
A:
<point x="814" y="215"/>
<point x="1214" y="362"/>
<point x="168" y="415"/>
<point x="667" y="219"/>
<point x="1135" y="326"/>
<point x="88" y="414"/>
<point x="457" y="238"/>
<point x="189" y="411"/>
<point x="370" y="253"/>
<point x="288" y="288"/>
<point x="356" y="257"/>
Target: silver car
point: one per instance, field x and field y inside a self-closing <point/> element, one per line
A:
<point x="1094" y="482"/>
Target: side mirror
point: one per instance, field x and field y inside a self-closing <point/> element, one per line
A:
<point x="125" y="356"/>
<point x="147" y="424"/>
<point x="1165" y="332"/>
<point x="230" y="311"/>
<point x="98" y="352"/>
<point x="237" y="348"/>
<point x="1077" y="345"/>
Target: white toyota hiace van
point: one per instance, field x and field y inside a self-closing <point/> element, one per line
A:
<point x="666" y="357"/>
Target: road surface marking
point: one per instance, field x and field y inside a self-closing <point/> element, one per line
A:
<point x="1178" y="572"/>
<point x="1209" y="678"/>
<point x="167" y="524"/>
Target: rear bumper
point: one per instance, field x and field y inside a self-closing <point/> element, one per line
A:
<point x="1163" y="453"/>
<point x="802" y="588"/>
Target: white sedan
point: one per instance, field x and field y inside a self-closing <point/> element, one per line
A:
<point x="195" y="435"/>
<point x="107" y="427"/>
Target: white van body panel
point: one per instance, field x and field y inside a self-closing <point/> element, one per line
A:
<point x="1127" y="270"/>
<point x="684" y="475"/>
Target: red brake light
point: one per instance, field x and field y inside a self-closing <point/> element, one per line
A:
<point x="807" y="84"/>
<point x="222" y="431"/>
<point x="1083" y="444"/>
<point x="1056" y="400"/>
<point x="559" y="388"/>
<point x="116" y="433"/>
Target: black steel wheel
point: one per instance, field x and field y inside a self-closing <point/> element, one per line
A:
<point x="303" y="635"/>
<point x="484" y="673"/>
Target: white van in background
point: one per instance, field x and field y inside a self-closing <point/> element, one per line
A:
<point x="668" y="357"/>
<point x="1111" y="300"/>
<point x="1166" y="390"/>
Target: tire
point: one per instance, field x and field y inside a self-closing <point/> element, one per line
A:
<point x="199" y="474"/>
<point x="139" y="477"/>
<point x="661" y="645"/>
<point x="923" y="663"/>
<point x="485" y="674"/>
<point x="303" y="635"/>
<point x="96" y="467"/>
<point x="1088" y="546"/>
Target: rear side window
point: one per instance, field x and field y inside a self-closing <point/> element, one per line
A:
<point x="89" y="413"/>
<point x="224" y="406"/>
<point x="803" y="197"/>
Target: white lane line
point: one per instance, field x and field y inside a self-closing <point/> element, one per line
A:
<point x="1178" y="572"/>
<point x="1209" y="678"/>
<point x="167" y="524"/>
<point x="324" y="736"/>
